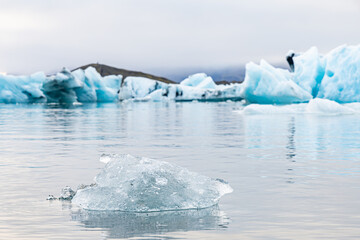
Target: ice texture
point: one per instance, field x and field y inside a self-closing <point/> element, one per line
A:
<point x="334" y="76"/>
<point x="139" y="88"/>
<point x="341" y="81"/>
<point x="140" y="184"/>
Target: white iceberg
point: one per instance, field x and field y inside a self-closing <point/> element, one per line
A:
<point x="134" y="184"/>
<point x="139" y="88"/>
<point x="314" y="106"/>
<point x="199" y="80"/>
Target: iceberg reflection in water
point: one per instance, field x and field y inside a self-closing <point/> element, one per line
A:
<point x="119" y="224"/>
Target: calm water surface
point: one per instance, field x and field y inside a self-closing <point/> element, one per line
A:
<point x="295" y="176"/>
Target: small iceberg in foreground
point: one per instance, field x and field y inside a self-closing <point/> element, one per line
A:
<point x="137" y="184"/>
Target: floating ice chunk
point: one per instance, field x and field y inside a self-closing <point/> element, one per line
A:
<point x="255" y="109"/>
<point x="199" y="80"/>
<point x="105" y="158"/>
<point x="51" y="198"/>
<point x="267" y="85"/>
<point x="67" y="193"/>
<point x="315" y="106"/>
<point x="325" y="106"/>
<point x="129" y="183"/>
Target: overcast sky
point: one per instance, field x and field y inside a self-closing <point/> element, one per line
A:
<point x="157" y="35"/>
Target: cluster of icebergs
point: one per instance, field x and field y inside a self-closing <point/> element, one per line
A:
<point x="334" y="76"/>
<point x="84" y="86"/>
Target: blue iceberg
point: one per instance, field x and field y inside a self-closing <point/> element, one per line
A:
<point x="334" y="76"/>
<point x="22" y="89"/>
<point x="268" y="85"/>
<point x="81" y="86"/>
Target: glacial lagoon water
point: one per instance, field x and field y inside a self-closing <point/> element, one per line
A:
<point x="295" y="176"/>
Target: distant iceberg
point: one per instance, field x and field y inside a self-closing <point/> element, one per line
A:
<point x="22" y="89"/>
<point x="196" y="87"/>
<point x="334" y="76"/>
<point x="135" y="184"/>
<point x="81" y="86"/>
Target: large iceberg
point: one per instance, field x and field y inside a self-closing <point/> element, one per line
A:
<point x="334" y="76"/>
<point x="137" y="184"/>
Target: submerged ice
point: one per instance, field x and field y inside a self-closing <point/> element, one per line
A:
<point x="137" y="184"/>
<point x="122" y="225"/>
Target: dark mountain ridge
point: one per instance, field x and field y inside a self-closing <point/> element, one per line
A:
<point x="105" y="70"/>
